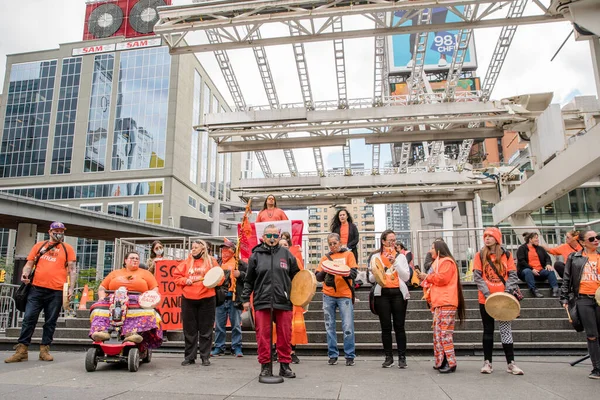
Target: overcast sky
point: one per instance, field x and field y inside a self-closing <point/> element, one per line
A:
<point x="32" y="25"/>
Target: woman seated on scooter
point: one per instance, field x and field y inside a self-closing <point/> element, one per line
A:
<point x="140" y="324"/>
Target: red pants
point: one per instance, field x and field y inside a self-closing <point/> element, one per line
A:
<point x="283" y="322"/>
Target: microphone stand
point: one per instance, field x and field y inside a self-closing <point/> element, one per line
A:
<point x="271" y="378"/>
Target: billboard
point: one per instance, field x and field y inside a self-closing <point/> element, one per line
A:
<point x="440" y="44"/>
<point x="463" y="85"/>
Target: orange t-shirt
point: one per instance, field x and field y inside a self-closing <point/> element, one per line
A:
<point x="565" y="250"/>
<point x="276" y="214"/>
<point x="533" y="258"/>
<point x="51" y="269"/>
<point x="191" y="269"/>
<point x="139" y="280"/>
<point x="590" y="276"/>
<point x="344" y="232"/>
<point x="492" y="281"/>
<point x="230" y="265"/>
<point x="297" y="252"/>
<point x="341" y="287"/>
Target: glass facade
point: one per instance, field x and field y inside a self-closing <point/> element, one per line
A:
<point x="150" y="212"/>
<point x="64" y="129"/>
<point x="27" y="121"/>
<point x="115" y="189"/>
<point x="87" y="257"/>
<point x="221" y="176"/>
<point x="4" y="242"/>
<point x="121" y="210"/>
<point x="109" y="256"/>
<point x="98" y="118"/>
<point x="228" y="172"/>
<point x="141" y="112"/>
<point x="195" y="121"/>
<point x="213" y="168"/>
<point x="204" y="138"/>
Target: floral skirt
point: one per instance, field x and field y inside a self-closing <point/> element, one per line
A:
<point x="144" y="322"/>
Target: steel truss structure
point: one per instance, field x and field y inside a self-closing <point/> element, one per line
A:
<point x="423" y="122"/>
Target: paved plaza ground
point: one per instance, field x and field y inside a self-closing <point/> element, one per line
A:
<point x="545" y="378"/>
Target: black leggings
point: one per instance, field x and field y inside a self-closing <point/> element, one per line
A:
<point x="589" y="312"/>
<point x="559" y="266"/>
<point x="488" y="337"/>
<point x="198" y="318"/>
<point x="391" y="304"/>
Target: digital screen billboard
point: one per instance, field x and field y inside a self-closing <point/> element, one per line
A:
<point x="463" y="85"/>
<point x="440" y="44"/>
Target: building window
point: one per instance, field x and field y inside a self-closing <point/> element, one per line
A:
<point x="121" y="210"/>
<point x="142" y="106"/>
<point x="221" y="177"/>
<point x="228" y="173"/>
<point x="202" y="208"/>
<point x="98" y="118"/>
<point x="192" y="202"/>
<point x="150" y="212"/>
<point x="214" y="165"/>
<point x="87" y="257"/>
<point x="27" y="120"/>
<point x="91" y="207"/>
<point x="195" y="135"/>
<point x="109" y="256"/>
<point x="64" y="130"/>
<point x="114" y="189"/>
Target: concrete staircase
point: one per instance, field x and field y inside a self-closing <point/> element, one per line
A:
<point x="543" y="328"/>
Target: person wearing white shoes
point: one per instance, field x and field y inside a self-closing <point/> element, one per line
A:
<point x="492" y="266"/>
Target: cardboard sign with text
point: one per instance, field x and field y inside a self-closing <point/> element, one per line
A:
<point x="170" y="305"/>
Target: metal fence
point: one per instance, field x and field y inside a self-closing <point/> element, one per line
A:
<point x="8" y="311"/>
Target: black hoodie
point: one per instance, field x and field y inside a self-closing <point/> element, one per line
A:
<point x="270" y="270"/>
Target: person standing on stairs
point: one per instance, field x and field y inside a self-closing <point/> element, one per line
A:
<point x="494" y="256"/>
<point x="53" y="260"/>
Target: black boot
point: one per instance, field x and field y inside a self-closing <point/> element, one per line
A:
<point x="389" y="361"/>
<point x="265" y="370"/>
<point x="444" y="364"/>
<point x="286" y="371"/>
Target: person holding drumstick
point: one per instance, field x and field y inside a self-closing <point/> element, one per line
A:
<point x="391" y="299"/>
<point x="338" y="293"/>
<point x="198" y="304"/>
<point x="582" y="282"/>
<point x="271" y="269"/>
<point x="446" y="298"/>
<point x="491" y="256"/>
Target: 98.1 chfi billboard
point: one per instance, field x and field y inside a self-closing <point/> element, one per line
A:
<point x="440" y="44"/>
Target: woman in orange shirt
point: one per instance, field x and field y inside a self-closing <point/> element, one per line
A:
<point x="270" y="212"/>
<point x="488" y="282"/>
<point x="571" y="245"/>
<point x="140" y="324"/>
<point x="446" y="298"/>
<point x="299" y="335"/>
<point x="581" y="282"/>
<point x="342" y="225"/>
<point x="198" y="304"/>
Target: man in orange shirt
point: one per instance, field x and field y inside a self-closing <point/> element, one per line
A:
<point x="338" y="293"/>
<point x="52" y="260"/>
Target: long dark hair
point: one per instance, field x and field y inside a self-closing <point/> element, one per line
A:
<point x="274" y="202"/>
<point x="442" y="250"/>
<point x="384" y="235"/>
<point x="152" y="253"/>
<point x="336" y="223"/>
<point x="527" y="236"/>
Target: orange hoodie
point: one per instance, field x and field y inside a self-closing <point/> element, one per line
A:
<point x="444" y="283"/>
<point x="193" y="269"/>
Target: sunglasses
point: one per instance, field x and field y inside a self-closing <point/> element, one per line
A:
<point x="594" y="238"/>
<point x="272" y="235"/>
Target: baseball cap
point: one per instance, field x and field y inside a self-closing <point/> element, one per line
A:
<point x="229" y="243"/>
<point x="57" y="225"/>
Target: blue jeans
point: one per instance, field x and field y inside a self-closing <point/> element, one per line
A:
<point x="528" y="276"/>
<point x="346" y="308"/>
<point x="235" y="317"/>
<point x="41" y="299"/>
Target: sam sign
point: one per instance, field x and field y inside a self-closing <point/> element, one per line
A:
<point x="440" y="45"/>
<point x="170" y="306"/>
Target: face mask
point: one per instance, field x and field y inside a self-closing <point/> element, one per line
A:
<point x="158" y="252"/>
<point x="59" y="237"/>
<point x="198" y="256"/>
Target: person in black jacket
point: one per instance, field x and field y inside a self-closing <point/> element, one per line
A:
<point x="534" y="264"/>
<point x="271" y="269"/>
<point x="581" y="281"/>
<point x="342" y="225"/>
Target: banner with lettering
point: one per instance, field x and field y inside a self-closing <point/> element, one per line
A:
<point x="170" y="304"/>
<point x="250" y="234"/>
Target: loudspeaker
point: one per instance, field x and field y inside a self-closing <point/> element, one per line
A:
<point x="129" y="18"/>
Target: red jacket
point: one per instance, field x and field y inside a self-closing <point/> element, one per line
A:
<point x="444" y="283"/>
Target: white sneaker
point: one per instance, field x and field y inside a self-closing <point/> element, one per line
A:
<point x="487" y="367"/>
<point x="513" y="369"/>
